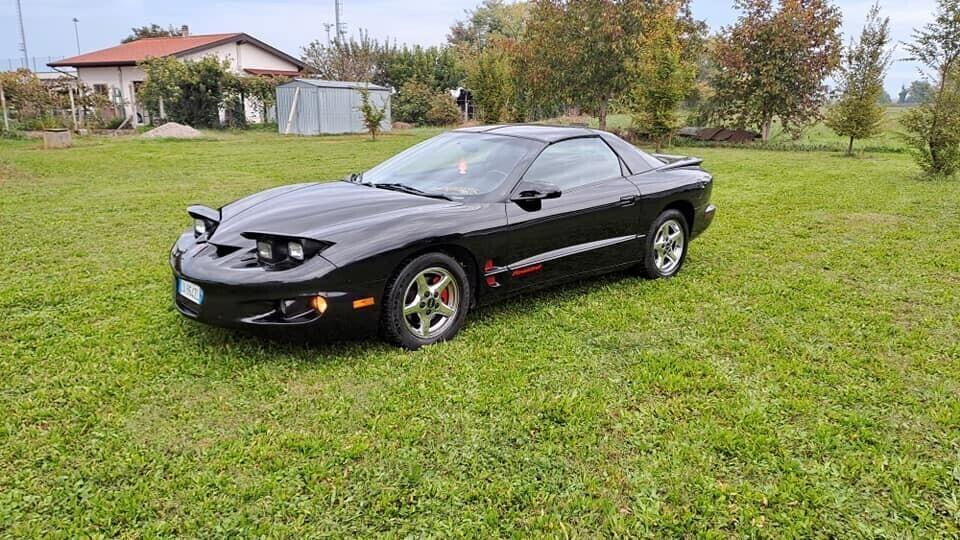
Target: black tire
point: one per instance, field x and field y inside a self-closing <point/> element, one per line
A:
<point x="651" y="267"/>
<point x="398" y="328"/>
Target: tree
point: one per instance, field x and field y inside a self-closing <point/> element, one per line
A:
<point x="903" y="95"/>
<point x="152" y="31"/>
<point x="372" y="115"/>
<point x="919" y="92"/>
<point x="772" y="63"/>
<point x="346" y="59"/>
<point x="366" y="59"/>
<point x="491" y="18"/>
<point x="578" y="52"/>
<point x="491" y="76"/>
<point x="192" y="91"/>
<point x="933" y="127"/>
<point x="858" y="114"/>
<point x="662" y="76"/>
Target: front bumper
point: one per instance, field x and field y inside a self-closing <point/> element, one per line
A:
<point x="235" y="296"/>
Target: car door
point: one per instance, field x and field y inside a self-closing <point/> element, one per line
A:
<point x="590" y="227"/>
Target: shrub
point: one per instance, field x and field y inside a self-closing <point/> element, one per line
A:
<point x="193" y="91"/>
<point x="412" y="103"/>
<point x="443" y="110"/>
<point x="933" y="127"/>
<point x="372" y="115"/>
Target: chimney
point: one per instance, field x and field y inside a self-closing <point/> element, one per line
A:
<point x="184" y="30"/>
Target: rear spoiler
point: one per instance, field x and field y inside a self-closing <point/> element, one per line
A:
<point x="677" y="162"/>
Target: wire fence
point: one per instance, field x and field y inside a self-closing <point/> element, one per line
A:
<point x="36" y="63"/>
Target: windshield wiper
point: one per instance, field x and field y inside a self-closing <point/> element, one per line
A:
<point x="411" y="190"/>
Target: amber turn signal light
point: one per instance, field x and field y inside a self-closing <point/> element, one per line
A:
<point x="363" y="302"/>
<point x="319" y="304"/>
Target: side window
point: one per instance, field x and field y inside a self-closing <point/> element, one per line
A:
<point x="573" y="163"/>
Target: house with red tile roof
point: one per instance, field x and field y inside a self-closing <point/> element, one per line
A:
<point x="114" y="72"/>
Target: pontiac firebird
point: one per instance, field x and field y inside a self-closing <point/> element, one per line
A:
<point x="463" y="219"/>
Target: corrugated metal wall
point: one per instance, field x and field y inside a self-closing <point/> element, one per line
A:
<point x="326" y="110"/>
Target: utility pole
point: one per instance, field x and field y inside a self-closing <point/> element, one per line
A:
<point x="338" y="13"/>
<point x="23" y="37"/>
<point x="328" y="26"/>
<point x="76" y="31"/>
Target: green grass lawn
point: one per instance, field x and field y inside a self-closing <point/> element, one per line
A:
<point x="801" y="377"/>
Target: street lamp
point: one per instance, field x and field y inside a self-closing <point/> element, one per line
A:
<point x="76" y="32"/>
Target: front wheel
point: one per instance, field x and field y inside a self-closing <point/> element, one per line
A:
<point x="426" y="302"/>
<point x="666" y="246"/>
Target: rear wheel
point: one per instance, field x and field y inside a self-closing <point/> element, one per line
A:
<point x="666" y="248"/>
<point x="426" y="302"/>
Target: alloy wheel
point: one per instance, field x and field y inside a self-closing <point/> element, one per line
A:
<point x="668" y="246"/>
<point x="430" y="302"/>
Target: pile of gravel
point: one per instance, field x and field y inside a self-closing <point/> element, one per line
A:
<point x="172" y="130"/>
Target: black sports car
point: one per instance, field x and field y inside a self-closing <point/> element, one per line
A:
<point x="465" y="218"/>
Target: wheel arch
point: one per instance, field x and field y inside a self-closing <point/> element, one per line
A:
<point x="458" y="252"/>
<point x="686" y="208"/>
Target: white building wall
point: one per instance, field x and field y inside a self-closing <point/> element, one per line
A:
<point x="119" y="82"/>
<point x="240" y="56"/>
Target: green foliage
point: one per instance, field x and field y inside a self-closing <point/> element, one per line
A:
<point x="366" y="59"/>
<point x="577" y="52"/>
<point x="443" y="110"/>
<point x="412" y="102"/>
<point x="491" y="19"/>
<point x="261" y="91"/>
<point x="151" y="31"/>
<point x="28" y="99"/>
<point x="662" y="77"/>
<point x="373" y="116"/>
<point x="858" y="114"/>
<point x="794" y="381"/>
<point x="773" y="62"/>
<point x="492" y="78"/>
<point x="933" y="127"/>
<point x="917" y="92"/>
<point x="192" y="91"/>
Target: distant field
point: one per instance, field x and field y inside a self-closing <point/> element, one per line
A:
<point x="818" y="134"/>
<point x="800" y="378"/>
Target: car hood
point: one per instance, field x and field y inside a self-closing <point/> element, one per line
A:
<point x="320" y="211"/>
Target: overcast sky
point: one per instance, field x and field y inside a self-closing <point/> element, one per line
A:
<point x="290" y="24"/>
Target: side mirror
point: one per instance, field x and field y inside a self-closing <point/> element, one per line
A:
<point x="528" y="192"/>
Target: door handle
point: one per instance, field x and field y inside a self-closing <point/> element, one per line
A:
<point x="628" y="200"/>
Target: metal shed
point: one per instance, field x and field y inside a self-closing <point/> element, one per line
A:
<point x="314" y="107"/>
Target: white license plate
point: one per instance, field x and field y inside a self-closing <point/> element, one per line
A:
<point x="190" y="291"/>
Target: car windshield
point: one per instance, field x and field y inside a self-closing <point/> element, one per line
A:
<point x="453" y="164"/>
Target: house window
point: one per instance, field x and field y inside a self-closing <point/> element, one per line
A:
<point x="100" y="89"/>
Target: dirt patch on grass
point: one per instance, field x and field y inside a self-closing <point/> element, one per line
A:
<point x="870" y="220"/>
<point x="9" y="172"/>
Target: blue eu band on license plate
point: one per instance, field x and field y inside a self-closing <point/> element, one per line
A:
<point x="190" y="291"/>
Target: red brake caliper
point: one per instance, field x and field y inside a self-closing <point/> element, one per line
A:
<point x="444" y="294"/>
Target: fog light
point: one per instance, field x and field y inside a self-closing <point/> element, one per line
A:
<point x="265" y="250"/>
<point x="319" y="304"/>
<point x="295" y="250"/>
<point x="199" y="227"/>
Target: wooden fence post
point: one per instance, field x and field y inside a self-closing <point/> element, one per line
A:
<point x="3" y="104"/>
